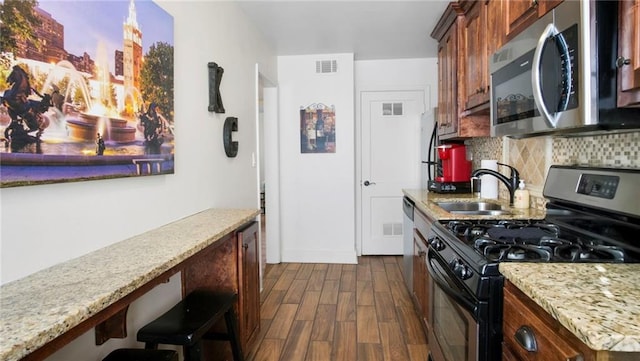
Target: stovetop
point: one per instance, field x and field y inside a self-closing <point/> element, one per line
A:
<point x="546" y="241"/>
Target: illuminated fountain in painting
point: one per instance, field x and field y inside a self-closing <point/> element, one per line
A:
<point x="100" y="115"/>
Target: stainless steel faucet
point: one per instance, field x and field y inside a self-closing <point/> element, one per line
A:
<point x="511" y="182"/>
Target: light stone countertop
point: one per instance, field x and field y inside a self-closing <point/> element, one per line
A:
<point x="42" y="306"/>
<point x="424" y="201"/>
<point x="599" y="303"/>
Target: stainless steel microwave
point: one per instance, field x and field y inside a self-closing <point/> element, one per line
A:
<point x="559" y="75"/>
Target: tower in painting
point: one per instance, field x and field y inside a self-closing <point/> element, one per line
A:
<point x="132" y="59"/>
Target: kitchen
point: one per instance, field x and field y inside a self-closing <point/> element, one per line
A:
<point x="206" y="178"/>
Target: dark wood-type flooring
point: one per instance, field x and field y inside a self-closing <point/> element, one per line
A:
<point x="332" y="312"/>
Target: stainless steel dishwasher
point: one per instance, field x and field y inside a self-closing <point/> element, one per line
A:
<point x="407" y="242"/>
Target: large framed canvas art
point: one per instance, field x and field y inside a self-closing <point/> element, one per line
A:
<point x="86" y="90"/>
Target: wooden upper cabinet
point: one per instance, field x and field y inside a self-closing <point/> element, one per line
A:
<point x="495" y="26"/>
<point x="629" y="53"/>
<point x="476" y="66"/>
<point x="519" y="14"/>
<point x="447" y="34"/>
<point x="447" y="83"/>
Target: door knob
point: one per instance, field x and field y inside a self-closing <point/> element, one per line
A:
<point x="367" y="183"/>
<point x="621" y="61"/>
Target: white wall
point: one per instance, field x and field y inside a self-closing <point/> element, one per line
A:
<point x="47" y="224"/>
<point x="391" y="75"/>
<point x="317" y="189"/>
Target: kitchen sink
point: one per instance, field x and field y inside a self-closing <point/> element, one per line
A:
<point x="474" y="208"/>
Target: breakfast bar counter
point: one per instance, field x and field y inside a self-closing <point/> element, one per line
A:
<point x="46" y="307"/>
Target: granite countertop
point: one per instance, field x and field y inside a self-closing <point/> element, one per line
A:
<point x="42" y="306"/>
<point x="599" y="303"/>
<point x="425" y="202"/>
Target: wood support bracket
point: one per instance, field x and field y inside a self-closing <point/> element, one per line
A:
<point x="113" y="327"/>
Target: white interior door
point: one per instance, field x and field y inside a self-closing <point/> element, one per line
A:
<point x="390" y="162"/>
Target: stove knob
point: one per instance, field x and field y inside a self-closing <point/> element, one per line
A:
<point x="460" y="269"/>
<point x="465" y="272"/>
<point x="437" y="244"/>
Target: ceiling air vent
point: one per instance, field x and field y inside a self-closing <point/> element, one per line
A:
<point x="326" y="66"/>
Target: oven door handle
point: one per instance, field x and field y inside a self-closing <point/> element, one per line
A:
<point x="445" y="283"/>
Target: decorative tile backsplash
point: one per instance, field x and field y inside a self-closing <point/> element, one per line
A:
<point x="533" y="156"/>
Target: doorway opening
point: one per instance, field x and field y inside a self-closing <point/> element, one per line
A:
<point x="267" y="169"/>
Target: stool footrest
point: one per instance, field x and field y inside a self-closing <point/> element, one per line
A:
<point x="136" y="354"/>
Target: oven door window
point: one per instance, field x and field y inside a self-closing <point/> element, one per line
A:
<point x="454" y="327"/>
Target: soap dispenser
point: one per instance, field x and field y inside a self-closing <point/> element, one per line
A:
<point x="521" y="196"/>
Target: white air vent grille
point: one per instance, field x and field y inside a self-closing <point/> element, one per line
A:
<point x="326" y="66"/>
<point x="392" y="229"/>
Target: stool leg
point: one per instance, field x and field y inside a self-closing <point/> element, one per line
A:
<point x="193" y="352"/>
<point x="232" y="330"/>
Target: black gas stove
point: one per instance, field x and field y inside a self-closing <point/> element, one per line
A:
<point x="593" y="215"/>
<point x="545" y="241"/>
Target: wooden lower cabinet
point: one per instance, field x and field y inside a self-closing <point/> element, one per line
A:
<point x="529" y="333"/>
<point x="524" y="321"/>
<point x="249" y="284"/>
<point x="421" y="288"/>
<point x="420" y="278"/>
<point x="230" y="265"/>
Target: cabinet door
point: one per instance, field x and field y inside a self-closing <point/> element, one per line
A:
<point x="420" y="277"/>
<point x="507" y="354"/>
<point x="447" y="82"/>
<point x="524" y="322"/>
<point x="475" y="61"/>
<point x="519" y="14"/>
<point x="629" y="52"/>
<point x="495" y="24"/>
<point x="249" y="279"/>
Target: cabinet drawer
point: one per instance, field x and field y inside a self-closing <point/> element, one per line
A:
<point x="524" y="324"/>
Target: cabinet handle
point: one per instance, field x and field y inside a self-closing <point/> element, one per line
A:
<point x="621" y="61"/>
<point x="245" y="246"/>
<point x="526" y="338"/>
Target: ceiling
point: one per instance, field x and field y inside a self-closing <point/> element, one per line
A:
<point x="370" y="29"/>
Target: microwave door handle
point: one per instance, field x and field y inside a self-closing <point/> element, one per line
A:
<point x="564" y="48"/>
<point x="552" y="119"/>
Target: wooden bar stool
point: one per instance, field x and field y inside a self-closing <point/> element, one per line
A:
<point x="138" y="354"/>
<point x="190" y="321"/>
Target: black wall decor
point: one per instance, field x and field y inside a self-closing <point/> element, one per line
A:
<point x="215" y="77"/>
<point x="230" y="147"/>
